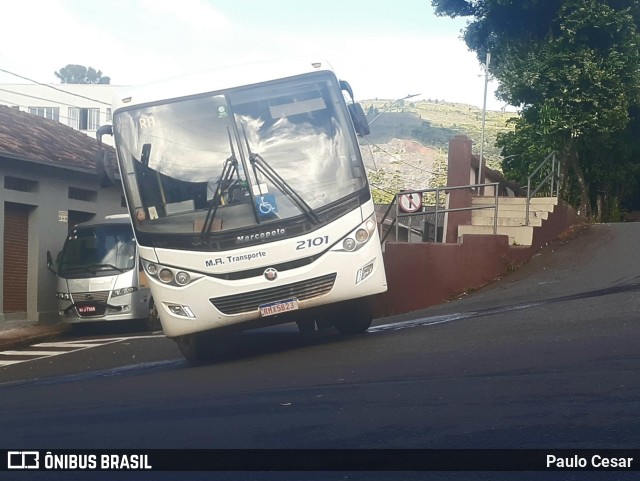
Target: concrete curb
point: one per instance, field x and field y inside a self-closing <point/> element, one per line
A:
<point x="13" y="338"/>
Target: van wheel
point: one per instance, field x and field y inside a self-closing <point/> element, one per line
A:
<point x="152" y="323"/>
<point x="354" y="317"/>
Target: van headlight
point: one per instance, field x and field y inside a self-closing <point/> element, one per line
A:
<point x="123" y="291"/>
<point x="169" y="275"/>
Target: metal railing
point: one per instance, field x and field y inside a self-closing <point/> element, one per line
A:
<point x="400" y="214"/>
<point x="551" y="180"/>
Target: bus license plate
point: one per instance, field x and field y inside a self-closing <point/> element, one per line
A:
<point x="278" y="307"/>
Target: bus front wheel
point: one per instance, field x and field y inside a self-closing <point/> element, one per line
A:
<point x="354" y="316"/>
<point x="195" y="347"/>
<point x="306" y="326"/>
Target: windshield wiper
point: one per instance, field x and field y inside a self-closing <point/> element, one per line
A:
<point x="91" y="268"/>
<point x="109" y="266"/>
<point x="265" y="169"/>
<point x="229" y="169"/>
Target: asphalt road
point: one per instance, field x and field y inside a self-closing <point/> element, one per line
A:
<point x="546" y="358"/>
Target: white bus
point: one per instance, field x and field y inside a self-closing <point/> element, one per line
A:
<point x="250" y="201"/>
<point x="99" y="276"/>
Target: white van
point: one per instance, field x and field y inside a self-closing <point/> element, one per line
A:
<point x="100" y="277"/>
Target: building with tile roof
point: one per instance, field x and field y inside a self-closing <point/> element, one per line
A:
<point x="48" y="183"/>
<point x="83" y="107"/>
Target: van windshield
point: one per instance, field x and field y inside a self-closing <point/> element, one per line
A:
<point x="97" y="251"/>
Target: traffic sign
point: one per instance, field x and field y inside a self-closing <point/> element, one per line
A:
<point x="410" y="203"/>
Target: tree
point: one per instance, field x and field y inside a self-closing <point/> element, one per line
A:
<point x="78" y="74"/>
<point x="573" y="68"/>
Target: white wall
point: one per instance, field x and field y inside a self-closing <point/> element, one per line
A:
<point x="63" y="96"/>
<point x="47" y="229"/>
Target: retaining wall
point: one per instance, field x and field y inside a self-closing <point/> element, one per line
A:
<point x="425" y="274"/>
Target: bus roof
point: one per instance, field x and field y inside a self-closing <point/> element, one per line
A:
<point x="218" y="79"/>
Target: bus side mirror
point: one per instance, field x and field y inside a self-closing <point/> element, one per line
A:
<point x="358" y="117"/>
<point x="102" y="131"/>
<point x="50" y="262"/>
<point x="104" y="168"/>
<point x="344" y="85"/>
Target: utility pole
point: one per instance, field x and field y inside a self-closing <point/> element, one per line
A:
<point x="484" y="116"/>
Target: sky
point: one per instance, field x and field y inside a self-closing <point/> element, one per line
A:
<point x="385" y="49"/>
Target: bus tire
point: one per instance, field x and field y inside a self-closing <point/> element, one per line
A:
<point x="193" y="347"/>
<point x="355" y="316"/>
<point x="306" y="326"/>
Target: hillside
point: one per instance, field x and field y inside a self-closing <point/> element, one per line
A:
<point x="408" y="144"/>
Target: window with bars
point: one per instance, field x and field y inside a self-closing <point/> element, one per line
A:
<point x="21" y="185"/>
<point x="84" y="119"/>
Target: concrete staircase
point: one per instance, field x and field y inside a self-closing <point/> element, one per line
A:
<point x="511" y="217"/>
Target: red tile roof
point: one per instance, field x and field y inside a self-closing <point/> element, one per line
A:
<point x="28" y="137"/>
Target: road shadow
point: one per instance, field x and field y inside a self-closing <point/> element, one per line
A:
<point x="239" y="346"/>
<point x="107" y="328"/>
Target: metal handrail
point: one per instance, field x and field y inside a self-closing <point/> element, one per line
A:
<point x="386" y="214"/>
<point x="553" y="177"/>
<point x="437" y="211"/>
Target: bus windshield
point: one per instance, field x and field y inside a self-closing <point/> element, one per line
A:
<point x="97" y="251"/>
<point x="231" y="160"/>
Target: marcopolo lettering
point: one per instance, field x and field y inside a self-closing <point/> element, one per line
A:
<point x="260" y="235"/>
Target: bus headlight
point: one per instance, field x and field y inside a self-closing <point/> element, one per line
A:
<point x="165" y="275"/>
<point x="349" y="244"/>
<point x="152" y="269"/>
<point x="182" y="278"/>
<point x="359" y="236"/>
<point x="370" y="224"/>
<point x="362" y="235"/>
<point x="169" y="275"/>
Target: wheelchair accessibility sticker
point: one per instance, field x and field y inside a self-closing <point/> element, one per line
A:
<point x="266" y="205"/>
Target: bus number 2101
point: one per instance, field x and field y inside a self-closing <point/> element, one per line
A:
<point x="315" y="242"/>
